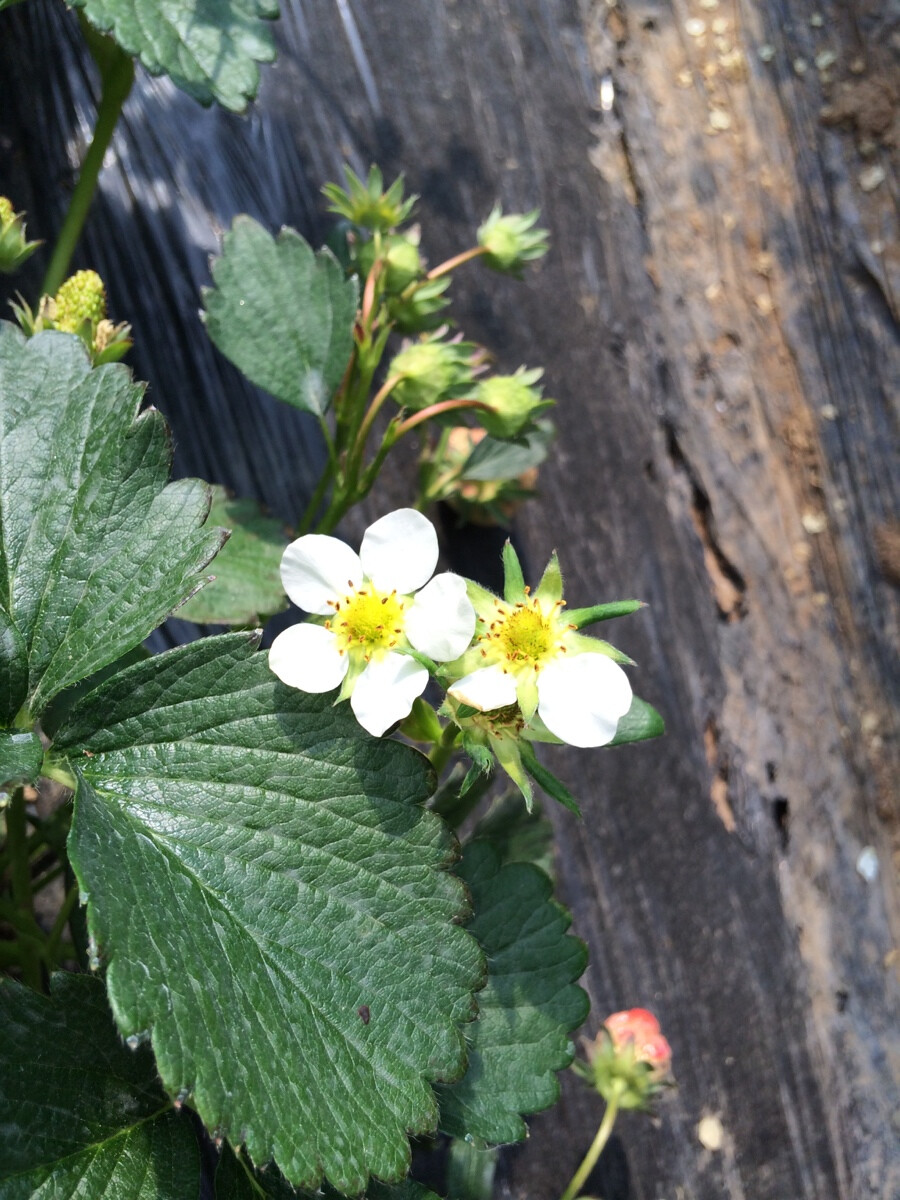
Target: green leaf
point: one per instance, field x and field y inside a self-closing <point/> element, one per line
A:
<point x="527" y="1009"/>
<point x="95" y="549"/>
<point x="82" y="1115"/>
<point x="247" y="585"/>
<point x="494" y="459"/>
<point x="270" y="899"/>
<point x="642" y="721"/>
<point x="13" y="663"/>
<point x="21" y="755"/>
<point x="208" y="48"/>
<point x="237" y="1180"/>
<point x="282" y="314"/>
<point x="470" y="1170"/>
<point x="516" y="834"/>
<point x="579" y="617"/>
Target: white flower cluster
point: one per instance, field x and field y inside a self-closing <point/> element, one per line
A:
<point x="383" y="612"/>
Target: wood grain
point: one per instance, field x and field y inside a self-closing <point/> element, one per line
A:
<point x="717" y="322"/>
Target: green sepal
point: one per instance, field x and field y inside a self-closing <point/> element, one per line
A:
<point x="482" y="600"/>
<point x="547" y="780"/>
<point x="527" y="696"/>
<point x="422" y="724"/>
<point x="513" y="579"/>
<point x="509" y="755"/>
<point x="21" y="755"/>
<point x="641" y="722"/>
<point x="582" y="643"/>
<point x="550" y="589"/>
<point x="580" y="617"/>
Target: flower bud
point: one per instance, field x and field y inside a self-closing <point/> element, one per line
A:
<point x="432" y="370"/>
<point x="422" y="308"/>
<point x="401" y="259"/>
<point x="629" y="1060"/>
<point x="367" y="204"/>
<point x="14" y="246"/>
<point x="512" y="401"/>
<point x="511" y="241"/>
<point x="81" y="301"/>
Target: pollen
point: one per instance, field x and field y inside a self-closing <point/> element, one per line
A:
<point x="370" y="619"/>
<point x="527" y="635"/>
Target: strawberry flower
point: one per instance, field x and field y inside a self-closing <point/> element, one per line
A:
<point x="380" y="610"/>
<point x="527" y="653"/>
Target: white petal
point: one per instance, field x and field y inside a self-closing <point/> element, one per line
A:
<point x="316" y="568"/>
<point x="307" y="657"/>
<point x="487" y="688"/>
<point x="385" y="691"/>
<point x="582" y="698"/>
<point x="441" y="620"/>
<point x="400" y="551"/>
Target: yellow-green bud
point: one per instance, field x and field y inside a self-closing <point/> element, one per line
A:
<point x="402" y="261"/>
<point x="80" y="300"/>
<point x="367" y="204"/>
<point x="512" y="400"/>
<point x="431" y="371"/>
<point x="14" y="246"/>
<point x="511" y="241"/>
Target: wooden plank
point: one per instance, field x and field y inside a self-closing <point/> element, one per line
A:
<point x="716" y="320"/>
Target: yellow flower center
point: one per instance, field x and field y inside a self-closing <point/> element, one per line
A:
<point x="524" y="635"/>
<point x="367" y="620"/>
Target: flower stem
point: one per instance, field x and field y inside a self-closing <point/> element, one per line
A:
<point x="434" y="410"/>
<point x="590" y="1159"/>
<point x="451" y="264"/>
<point x="442" y="750"/>
<point x="117" y="76"/>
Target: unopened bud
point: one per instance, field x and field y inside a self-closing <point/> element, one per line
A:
<point x="629" y="1060"/>
<point x="430" y="371"/>
<point x="512" y="240"/>
<point x="512" y="402"/>
<point x="80" y="301"/>
<point x="14" y="245"/>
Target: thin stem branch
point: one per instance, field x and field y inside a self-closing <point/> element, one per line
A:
<point x="590" y="1159"/>
<point x="117" y="74"/>
<point x="435" y="410"/>
<point x="451" y="264"/>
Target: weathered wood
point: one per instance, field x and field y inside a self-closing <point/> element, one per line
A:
<point x="716" y="320"/>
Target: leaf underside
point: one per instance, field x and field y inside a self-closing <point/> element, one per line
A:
<point x="82" y="1116"/>
<point x="96" y="549"/>
<point x="282" y="314"/>
<point x="208" y="48"/>
<point x="247" y="584"/>
<point x="273" y="906"/>
<point x="528" y="1007"/>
